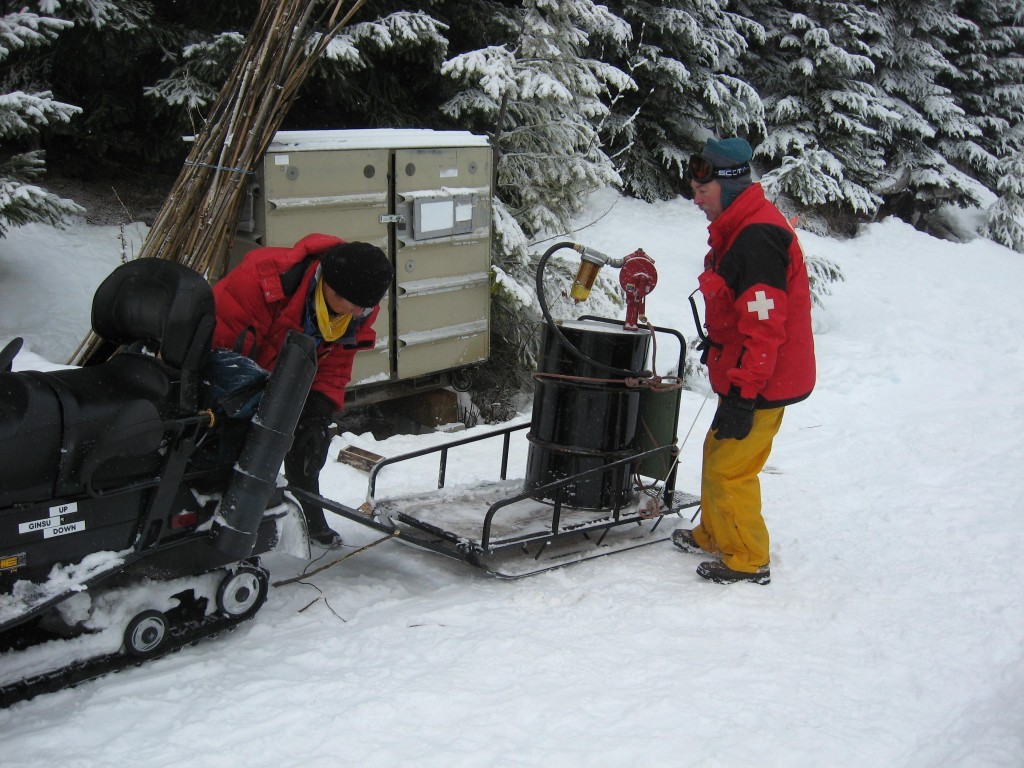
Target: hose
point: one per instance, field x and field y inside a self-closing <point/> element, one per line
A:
<point x="568" y="345"/>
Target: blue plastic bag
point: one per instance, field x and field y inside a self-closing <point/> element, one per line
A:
<point x="233" y="384"/>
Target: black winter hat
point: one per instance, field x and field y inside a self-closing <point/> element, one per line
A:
<point x="358" y="272"/>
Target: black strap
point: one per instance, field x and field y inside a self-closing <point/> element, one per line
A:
<point x="240" y="342"/>
<point x="705" y="340"/>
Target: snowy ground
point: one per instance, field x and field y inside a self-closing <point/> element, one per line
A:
<point x="892" y="633"/>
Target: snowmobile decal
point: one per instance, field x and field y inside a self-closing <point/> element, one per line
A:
<point x="57" y="524"/>
<point x="13" y="562"/>
<point x="51" y="526"/>
<point x="64" y="530"/>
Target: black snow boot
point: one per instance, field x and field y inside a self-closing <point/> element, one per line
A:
<point x="720" y="573"/>
<point x="327" y="538"/>
<point x="683" y="538"/>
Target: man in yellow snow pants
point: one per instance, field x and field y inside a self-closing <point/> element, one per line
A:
<point x="730" y="520"/>
<point x="759" y="351"/>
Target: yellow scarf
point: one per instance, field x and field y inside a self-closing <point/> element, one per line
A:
<point x="334" y="328"/>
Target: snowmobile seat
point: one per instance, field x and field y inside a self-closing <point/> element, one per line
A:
<point x="57" y="428"/>
<point x="30" y="428"/>
<point x="109" y="411"/>
<point x="167" y="308"/>
<point x="62" y="427"/>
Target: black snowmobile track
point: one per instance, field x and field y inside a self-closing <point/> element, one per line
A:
<point x="179" y="635"/>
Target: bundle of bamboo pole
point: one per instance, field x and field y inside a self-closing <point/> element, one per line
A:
<point x="197" y="222"/>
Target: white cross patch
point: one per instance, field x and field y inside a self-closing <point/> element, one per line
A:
<point x="761" y="304"/>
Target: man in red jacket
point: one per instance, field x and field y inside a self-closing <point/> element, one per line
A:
<point x="328" y="289"/>
<point x="759" y="352"/>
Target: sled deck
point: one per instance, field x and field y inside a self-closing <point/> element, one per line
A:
<point x="510" y="535"/>
<point x="507" y="532"/>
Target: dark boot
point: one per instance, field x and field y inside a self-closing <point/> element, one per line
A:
<point x="302" y="466"/>
<point x="683" y="538"/>
<point x="327" y="538"/>
<point x="720" y="573"/>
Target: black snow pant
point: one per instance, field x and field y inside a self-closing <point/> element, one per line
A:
<point x="308" y="454"/>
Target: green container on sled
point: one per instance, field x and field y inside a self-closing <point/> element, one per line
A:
<point x="658" y="425"/>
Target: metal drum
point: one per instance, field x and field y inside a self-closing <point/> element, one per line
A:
<point x="589" y="420"/>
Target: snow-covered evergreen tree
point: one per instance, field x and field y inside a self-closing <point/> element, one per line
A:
<point x="25" y="109"/>
<point x="684" y="57"/>
<point x="101" y="64"/>
<point x="373" y="73"/>
<point x="1005" y="222"/>
<point x="988" y="84"/>
<point x="121" y="15"/>
<point x="915" y="61"/>
<point x="824" y="116"/>
<point x="382" y="73"/>
<point x="542" y="101"/>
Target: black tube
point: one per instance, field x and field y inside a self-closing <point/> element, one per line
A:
<point x="269" y="437"/>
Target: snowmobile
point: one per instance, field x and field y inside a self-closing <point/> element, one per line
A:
<point x="601" y="469"/>
<point x="133" y="508"/>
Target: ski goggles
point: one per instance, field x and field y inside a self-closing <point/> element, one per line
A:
<point x="702" y="170"/>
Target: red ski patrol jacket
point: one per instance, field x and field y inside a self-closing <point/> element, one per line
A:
<point x="266" y="295"/>
<point x="757" y="305"/>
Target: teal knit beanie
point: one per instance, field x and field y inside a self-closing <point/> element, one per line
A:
<point x="728" y="153"/>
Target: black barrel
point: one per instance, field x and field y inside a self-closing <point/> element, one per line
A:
<point x="589" y="420"/>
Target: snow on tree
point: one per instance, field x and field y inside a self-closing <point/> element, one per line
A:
<point x="121" y="15"/>
<point x="988" y="83"/>
<point x="542" y="101"/>
<point x="24" y="110"/>
<point x="915" y="61"/>
<point x="195" y="83"/>
<point x="1005" y="223"/>
<point x="101" y="64"/>
<point x="369" y="73"/>
<point x="381" y="73"/>
<point x="684" y="58"/>
<point x="823" y="114"/>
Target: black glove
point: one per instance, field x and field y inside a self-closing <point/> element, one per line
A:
<point x="734" y="418"/>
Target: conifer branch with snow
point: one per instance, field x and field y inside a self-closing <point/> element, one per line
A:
<point x="23" y="112"/>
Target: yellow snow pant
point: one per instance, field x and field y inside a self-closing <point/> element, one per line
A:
<point x="730" y="520"/>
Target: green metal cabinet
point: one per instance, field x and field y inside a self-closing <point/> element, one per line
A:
<point x="424" y="197"/>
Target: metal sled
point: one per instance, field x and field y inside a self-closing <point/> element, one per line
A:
<point x="506" y="532"/>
